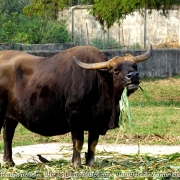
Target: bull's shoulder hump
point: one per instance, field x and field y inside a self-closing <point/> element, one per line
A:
<point x="16" y="52"/>
<point x="14" y="55"/>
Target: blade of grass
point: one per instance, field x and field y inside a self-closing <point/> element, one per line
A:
<point x="144" y="94"/>
<point x="124" y="108"/>
<point x="124" y="111"/>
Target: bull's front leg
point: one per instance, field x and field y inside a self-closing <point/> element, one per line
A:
<point x="77" y="147"/>
<point x="93" y="137"/>
<point x="8" y="133"/>
<point x="77" y="134"/>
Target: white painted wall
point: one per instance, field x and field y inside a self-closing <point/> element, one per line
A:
<point x="161" y="31"/>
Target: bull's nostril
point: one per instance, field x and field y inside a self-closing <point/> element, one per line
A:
<point x="133" y="75"/>
<point x="137" y="75"/>
<point x="129" y="76"/>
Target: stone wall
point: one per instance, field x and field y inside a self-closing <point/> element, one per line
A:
<point x="163" y="63"/>
<point x="35" y="47"/>
<point x="160" y="31"/>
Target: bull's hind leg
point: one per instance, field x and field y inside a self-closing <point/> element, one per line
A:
<point x="3" y="106"/>
<point x="92" y="142"/>
<point x="8" y="133"/>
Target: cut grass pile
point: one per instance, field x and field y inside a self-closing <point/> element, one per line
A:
<point x="109" y="167"/>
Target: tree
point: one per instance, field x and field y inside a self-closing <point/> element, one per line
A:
<point x="50" y="8"/>
<point x="19" y="28"/>
<point x="109" y="13"/>
<point x="105" y="11"/>
<point x="10" y="6"/>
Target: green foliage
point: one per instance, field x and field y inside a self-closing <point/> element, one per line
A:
<point x="77" y="40"/>
<point x="97" y="42"/>
<point x="44" y="9"/>
<point x="10" y="6"/>
<point x="28" y="30"/>
<point x="109" y="13"/>
<point x="23" y="29"/>
<point x="18" y="27"/>
<point x="108" y="43"/>
<point x="55" y="33"/>
<point x="135" y="46"/>
<point x="50" y="8"/>
<point x="86" y="2"/>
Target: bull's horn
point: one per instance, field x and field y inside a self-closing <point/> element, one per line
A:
<point x="93" y="66"/>
<point x="145" y="56"/>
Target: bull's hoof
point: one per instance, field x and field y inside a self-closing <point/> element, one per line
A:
<point x="7" y="164"/>
<point x="76" y="162"/>
<point x="90" y="162"/>
<point x="76" y="165"/>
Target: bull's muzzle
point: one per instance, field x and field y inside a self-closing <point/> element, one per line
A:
<point x="133" y="81"/>
<point x="133" y="76"/>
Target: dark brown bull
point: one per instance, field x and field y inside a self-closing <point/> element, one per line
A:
<point x="54" y="96"/>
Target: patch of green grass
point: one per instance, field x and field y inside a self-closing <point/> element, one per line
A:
<point x="176" y="76"/>
<point x="1" y="146"/>
<point x="156" y="118"/>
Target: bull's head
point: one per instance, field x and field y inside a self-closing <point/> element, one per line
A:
<point x="124" y="70"/>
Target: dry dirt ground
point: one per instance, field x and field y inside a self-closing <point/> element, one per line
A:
<point x="24" y="154"/>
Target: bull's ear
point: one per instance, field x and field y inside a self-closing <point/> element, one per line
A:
<point x="106" y="73"/>
<point x="104" y="70"/>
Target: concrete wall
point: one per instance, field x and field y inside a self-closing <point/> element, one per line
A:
<point x="36" y="47"/>
<point x="160" y="31"/>
<point x="163" y="63"/>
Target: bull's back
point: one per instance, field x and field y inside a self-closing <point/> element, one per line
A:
<point x="14" y="55"/>
<point x="14" y="63"/>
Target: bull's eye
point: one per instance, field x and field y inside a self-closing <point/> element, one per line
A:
<point x="116" y="70"/>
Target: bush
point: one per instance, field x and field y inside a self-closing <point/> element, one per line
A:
<point x="28" y="30"/>
<point x="109" y="43"/>
<point x="55" y="33"/>
<point x="19" y="28"/>
<point x="135" y="46"/>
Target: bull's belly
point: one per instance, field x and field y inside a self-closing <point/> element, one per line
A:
<point x="44" y="124"/>
<point x="43" y="120"/>
<point x="48" y="127"/>
<point x="47" y="123"/>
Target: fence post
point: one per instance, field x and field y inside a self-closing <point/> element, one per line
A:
<point x="145" y="27"/>
<point x="87" y="34"/>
